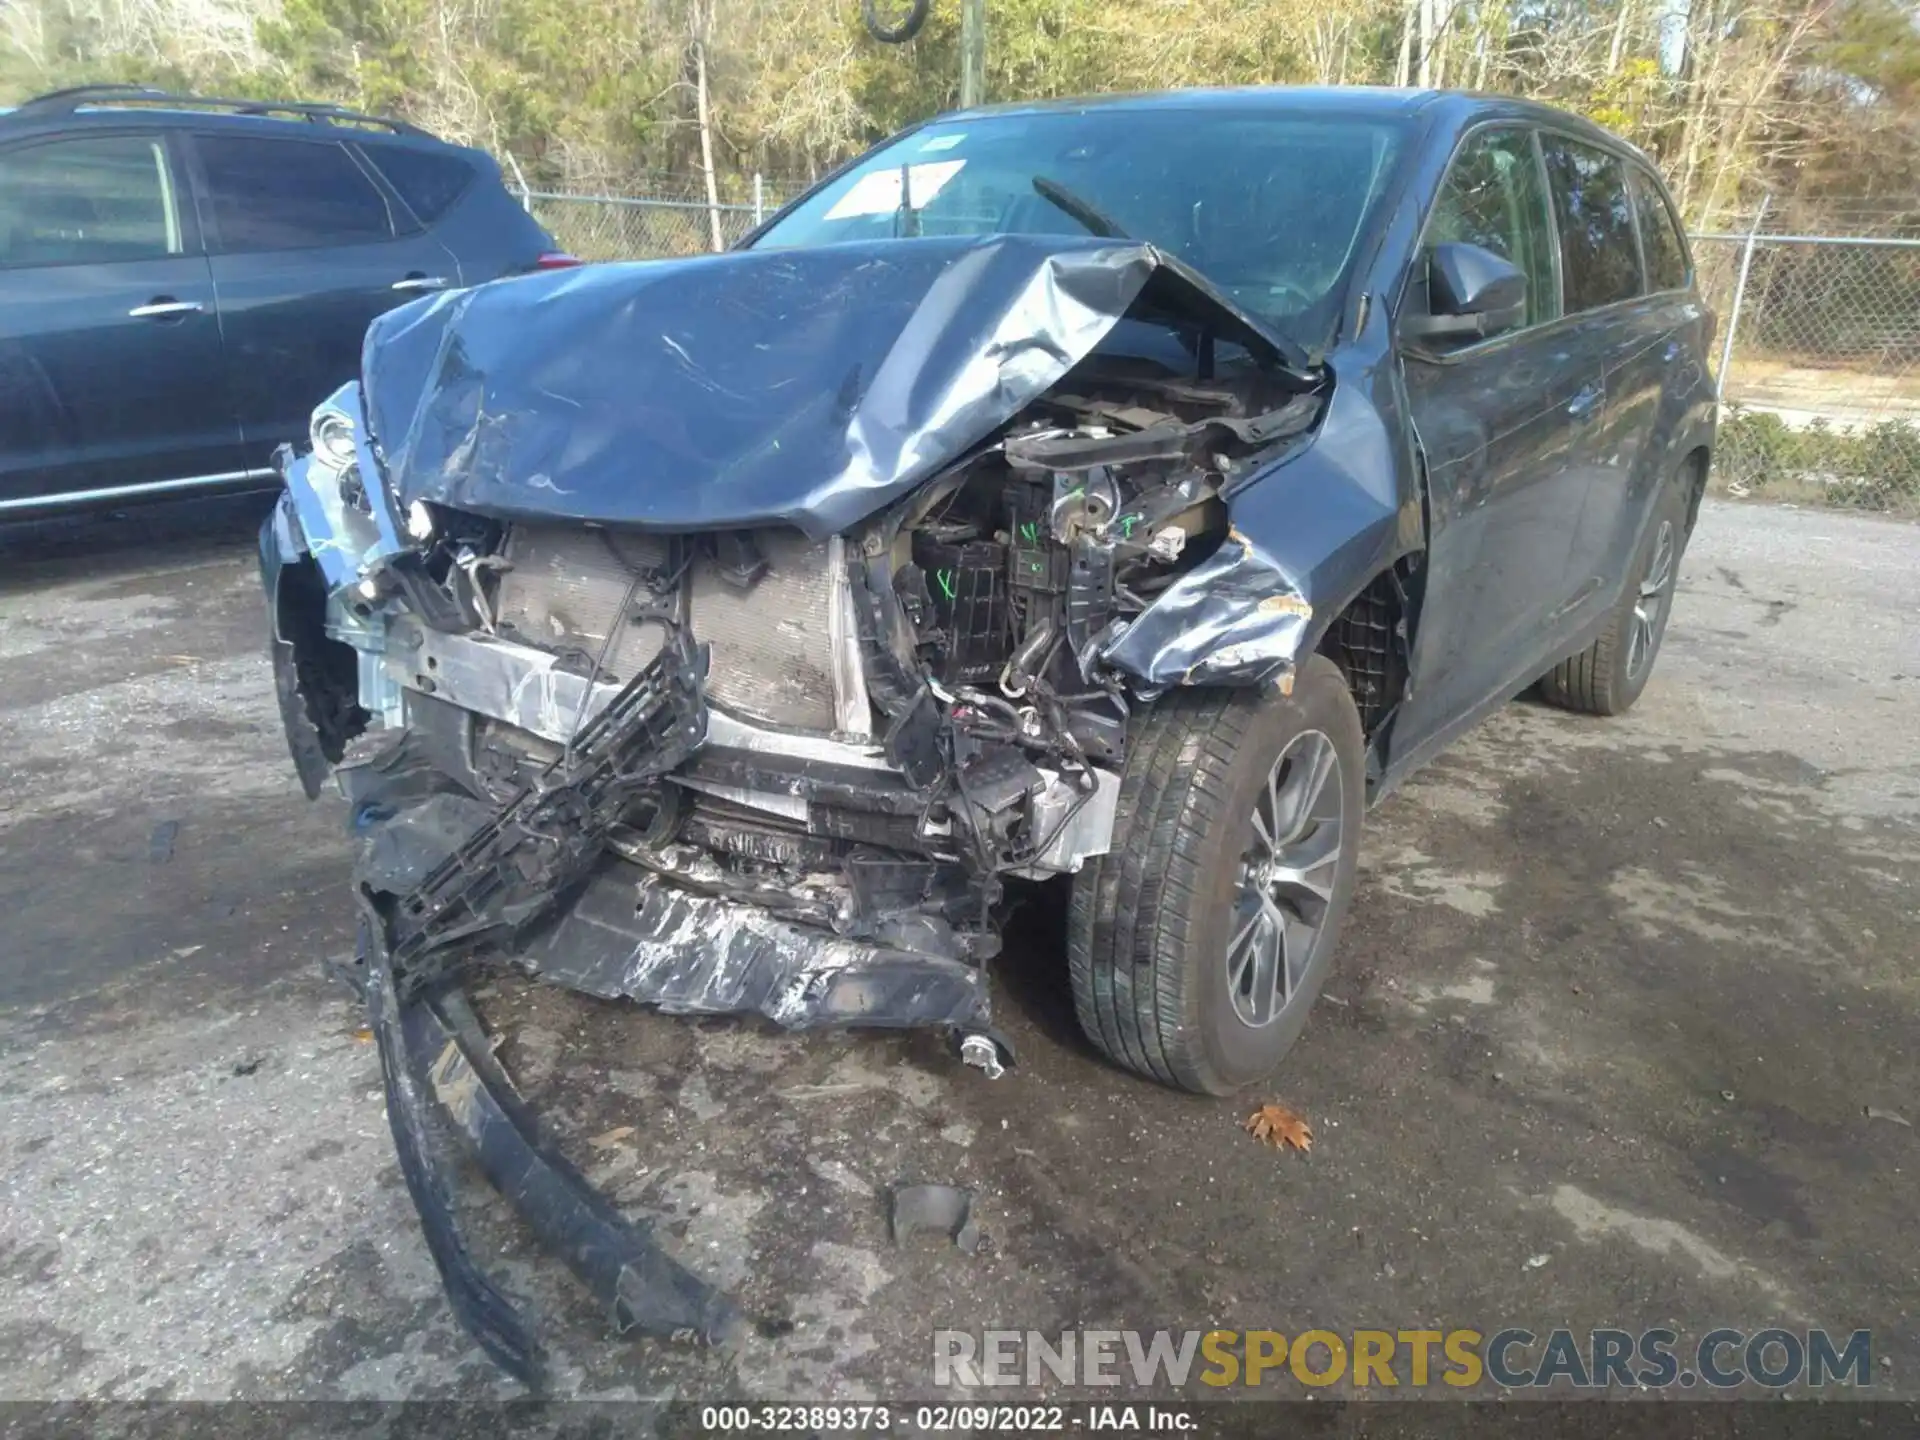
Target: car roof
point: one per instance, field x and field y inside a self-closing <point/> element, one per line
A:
<point x="104" y="106"/>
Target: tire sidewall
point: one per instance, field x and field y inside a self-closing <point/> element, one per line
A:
<point x="1233" y="1053"/>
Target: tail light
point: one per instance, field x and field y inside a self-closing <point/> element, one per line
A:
<point x="556" y="260"/>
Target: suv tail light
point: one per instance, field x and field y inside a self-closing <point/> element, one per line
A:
<point x="556" y="260"/>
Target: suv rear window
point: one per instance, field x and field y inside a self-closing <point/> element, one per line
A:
<point x="427" y="181"/>
<point x="1660" y="241"/>
<point x="288" y="194"/>
<point x="90" y="201"/>
<point x="1599" y="261"/>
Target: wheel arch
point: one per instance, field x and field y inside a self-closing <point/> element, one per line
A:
<point x="1369" y="638"/>
<point x="1297" y="557"/>
<point x="1696" y="464"/>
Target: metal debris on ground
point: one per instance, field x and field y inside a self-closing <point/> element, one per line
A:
<point x="940" y="1209"/>
<point x="1875" y="1113"/>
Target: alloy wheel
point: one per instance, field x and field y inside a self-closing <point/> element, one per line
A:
<point x="1650" y="605"/>
<point x="1286" y="879"/>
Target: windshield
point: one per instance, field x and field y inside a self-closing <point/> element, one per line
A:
<point x="1269" y="206"/>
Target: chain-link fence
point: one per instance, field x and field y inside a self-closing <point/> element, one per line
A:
<point x="613" y="227"/>
<point x="1817" y="351"/>
<point x="1819" y="360"/>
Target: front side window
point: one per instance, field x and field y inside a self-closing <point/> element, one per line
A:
<point x="90" y="201"/>
<point x="288" y="194"/>
<point x="1271" y="207"/>
<point x="1494" y="197"/>
<point x="1599" y="261"/>
<point x="1659" y="237"/>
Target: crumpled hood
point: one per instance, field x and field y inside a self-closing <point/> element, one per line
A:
<point x="808" y="387"/>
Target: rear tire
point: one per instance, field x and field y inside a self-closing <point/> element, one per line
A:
<point x="1197" y="946"/>
<point x="1608" y="676"/>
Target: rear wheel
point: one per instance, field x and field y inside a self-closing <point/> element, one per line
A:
<point x="1199" y="943"/>
<point x="1608" y="676"/>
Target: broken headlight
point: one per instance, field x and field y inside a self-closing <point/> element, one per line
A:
<point x="332" y="429"/>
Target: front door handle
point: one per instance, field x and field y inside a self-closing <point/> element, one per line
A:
<point x="162" y="307"/>
<point x="421" y="282"/>
<point x="1586" y="404"/>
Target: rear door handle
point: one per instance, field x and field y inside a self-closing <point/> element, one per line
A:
<point x="163" y="306"/>
<point x="1584" y="405"/>
<point x="422" y="282"/>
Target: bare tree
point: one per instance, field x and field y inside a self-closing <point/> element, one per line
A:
<point x="700" y="23"/>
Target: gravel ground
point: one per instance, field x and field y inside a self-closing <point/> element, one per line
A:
<point x="1612" y="1008"/>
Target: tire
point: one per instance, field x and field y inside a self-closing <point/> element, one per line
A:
<point x="1608" y="676"/>
<point x="1150" y="923"/>
<point x="901" y="30"/>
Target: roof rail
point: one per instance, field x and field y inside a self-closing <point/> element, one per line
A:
<point x="74" y="96"/>
<point x="65" y="102"/>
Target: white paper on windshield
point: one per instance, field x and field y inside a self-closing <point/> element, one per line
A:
<point x="878" y="191"/>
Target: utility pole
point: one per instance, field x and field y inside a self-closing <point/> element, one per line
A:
<point x="973" y="53"/>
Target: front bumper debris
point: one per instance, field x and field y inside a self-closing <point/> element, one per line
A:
<point x="689" y="954"/>
<point x="431" y="1045"/>
<point x="425" y="905"/>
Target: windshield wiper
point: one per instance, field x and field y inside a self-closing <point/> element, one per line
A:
<point x="1097" y="221"/>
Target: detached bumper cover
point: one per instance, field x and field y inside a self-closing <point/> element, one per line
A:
<point x="432" y="1047"/>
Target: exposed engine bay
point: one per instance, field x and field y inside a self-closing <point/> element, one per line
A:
<point x="857" y="737"/>
<point x="726" y="737"/>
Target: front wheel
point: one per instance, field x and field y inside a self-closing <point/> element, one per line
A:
<point x="1199" y="943"/>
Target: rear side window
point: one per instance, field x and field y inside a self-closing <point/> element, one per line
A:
<point x="1599" y="260"/>
<point x="1660" y="241"/>
<point x="90" y="201"/>
<point x="428" y="181"/>
<point x="1494" y="197"/>
<point x="288" y="194"/>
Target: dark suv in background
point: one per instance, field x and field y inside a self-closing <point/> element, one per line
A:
<point x="182" y="278"/>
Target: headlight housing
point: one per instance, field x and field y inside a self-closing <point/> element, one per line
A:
<point x="333" y="430"/>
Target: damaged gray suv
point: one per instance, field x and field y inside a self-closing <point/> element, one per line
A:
<point x="1127" y="492"/>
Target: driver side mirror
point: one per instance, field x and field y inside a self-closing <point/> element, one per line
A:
<point x="1471" y="293"/>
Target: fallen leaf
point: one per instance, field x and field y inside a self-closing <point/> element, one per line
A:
<point x="612" y="1137"/>
<point x="363" y="1035"/>
<point x="1280" y="1127"/>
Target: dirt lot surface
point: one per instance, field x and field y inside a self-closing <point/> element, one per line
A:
<point x="1611" y="1011"/>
